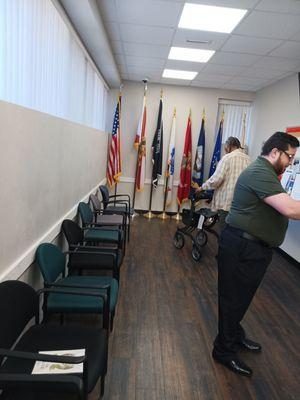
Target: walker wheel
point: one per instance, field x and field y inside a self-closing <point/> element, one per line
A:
<point x="196" y="253"/>
<point x="178" y="240"/>
<point x="210" y="221"/>
<point x="201" y="238"/>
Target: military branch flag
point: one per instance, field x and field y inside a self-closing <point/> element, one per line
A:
<point x="217" y="150"/>
<point x="140" y="144"/>
<point x="142" y="123"/>
<point x="114" y="157"/>
<point x="186" y="166"/>
<point x="171" y="161"/>
<point x="197" y="175"/>
<point x="157" y="147"/>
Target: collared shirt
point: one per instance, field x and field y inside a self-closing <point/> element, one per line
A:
<point x="249" y="212"/>
<point x="224" y="179"/>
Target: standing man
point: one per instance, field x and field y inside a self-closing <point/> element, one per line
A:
<point x="224" y="179"/>
<point x="257" y="222"/>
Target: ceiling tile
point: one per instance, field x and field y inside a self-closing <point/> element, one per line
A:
<point x="248" y="81"/>
<point x="222" y="69"/>
<point x="146" y="34"/>
<point x="140" y="50"/>
<point x="236" y="59"/>
<point x="287" y="49"/>
<point x="184" y="65"/>
<point x="154" y="73"/>
<point x="238" y="86"/>
<point x="252" y="45"/>
<point x="244" y="4"/>
<point x="296" y="37"/>
<point x="285" y="6"/>
<point x="215" y="40"/>
<point x="269" y="25"/>
<point x="145" y="12"/>
<point x="178" y="82"/>
<point x="145" y="62"/>
<point x="264" y="73"/>
<point x="204" y="77"/>
<point x="208" y="84"/>
<point x="285" y="64"/>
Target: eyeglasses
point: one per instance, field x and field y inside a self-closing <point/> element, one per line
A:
<point x="290" y="156"/>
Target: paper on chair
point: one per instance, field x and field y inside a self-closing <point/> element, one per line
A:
<point x="46" y="367"/>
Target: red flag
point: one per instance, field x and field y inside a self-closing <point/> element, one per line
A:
<point x="114" y="158"/>
<point x="140" y="143"/>
<point x="186" y="166"/>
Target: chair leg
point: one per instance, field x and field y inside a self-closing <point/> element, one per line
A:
<point x="111" y="324"/>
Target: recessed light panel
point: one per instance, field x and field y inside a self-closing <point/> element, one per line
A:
<point x="210" y="18"/>
<point x="177" y="74"/>
<point x="188" y="54"/>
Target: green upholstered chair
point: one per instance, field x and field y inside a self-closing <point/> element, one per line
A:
<point x="51" y="262"/>
<point x="22" y="337"/>
<point x="82" y="256"/>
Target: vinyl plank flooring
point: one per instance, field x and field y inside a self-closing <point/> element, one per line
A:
<point x="166" y="322"/>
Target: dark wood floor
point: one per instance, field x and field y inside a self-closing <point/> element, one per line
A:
<point x="167" y="318"/>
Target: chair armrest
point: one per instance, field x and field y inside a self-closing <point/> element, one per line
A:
<point x="104" y="297"/>
<point x="116" y="202"/>
<point x="41" y="357"/>
<point x="121" y="195"/>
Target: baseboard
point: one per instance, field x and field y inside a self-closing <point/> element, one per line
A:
<point x="20" y="265"/>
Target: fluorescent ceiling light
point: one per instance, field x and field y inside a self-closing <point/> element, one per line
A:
<point x="177" y="74"/>
<point x="187" y="54"/>
<point x="210" y="18"/>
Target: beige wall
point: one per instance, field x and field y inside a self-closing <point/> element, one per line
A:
<point x="277" y="107"/>
<point x="183" y="98"/>
<point x="47" y="165"/>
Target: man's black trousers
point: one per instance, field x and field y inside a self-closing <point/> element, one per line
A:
<point x="242" y="264"/>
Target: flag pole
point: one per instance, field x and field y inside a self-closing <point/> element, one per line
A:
<point x="119" y="141"/>
<point x="149" y="214"/>
<point x="177" y="216"/>
<point x="137" y="158"/>
<point x="244" y="130"/>
<point x="164" y="214"/>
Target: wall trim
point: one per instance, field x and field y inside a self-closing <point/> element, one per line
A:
<point x="20" y="265"/>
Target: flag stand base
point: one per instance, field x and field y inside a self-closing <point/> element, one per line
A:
<point x="163" y="216"/>
<point x="149" y="215"/>
<point x="177" y="217"/>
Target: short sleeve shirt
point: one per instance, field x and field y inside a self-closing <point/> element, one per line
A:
<point x="248" y="210"/>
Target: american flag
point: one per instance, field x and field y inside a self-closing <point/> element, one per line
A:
<point x="114" y="158"/>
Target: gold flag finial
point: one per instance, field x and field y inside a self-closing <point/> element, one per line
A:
<point x="174" y="112"/>
<point x="223" y="115"/>
<point x="161" y="93"/>
<point x="203" y="114"/>
<point x="190" y="114"/>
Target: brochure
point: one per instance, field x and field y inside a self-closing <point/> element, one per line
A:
<point x="46" y="367"/>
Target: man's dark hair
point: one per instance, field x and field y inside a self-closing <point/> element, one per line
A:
<point x="233" y="142"/>
<point x="280" y="141"/>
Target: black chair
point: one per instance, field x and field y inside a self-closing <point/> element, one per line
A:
<point x="51" y="261"/>
<point x="116" y="204"/>
<point x="20" y="348"/>
<point x="85" y="257"/>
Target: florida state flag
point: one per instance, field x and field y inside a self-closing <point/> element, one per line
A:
<point x="186" y="166"/>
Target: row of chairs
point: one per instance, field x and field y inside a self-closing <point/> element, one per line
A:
<point x="99" y="244"/>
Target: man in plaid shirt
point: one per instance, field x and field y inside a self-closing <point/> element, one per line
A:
<point x="224" y="179"/>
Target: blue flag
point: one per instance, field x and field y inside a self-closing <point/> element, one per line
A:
<point x="217" y="151"/>
<point x="197" y="176"/>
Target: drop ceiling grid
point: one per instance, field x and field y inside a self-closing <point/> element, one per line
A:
<point x="148" y="28"/>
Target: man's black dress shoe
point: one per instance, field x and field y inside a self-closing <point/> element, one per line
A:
<point x="235" y="365"/>
<point x="249" y="345"/>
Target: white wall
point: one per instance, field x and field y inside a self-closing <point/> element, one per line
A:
<point x="47" y="165"/>
<point x="275" y="108"/>
<point x="183" y="98"/>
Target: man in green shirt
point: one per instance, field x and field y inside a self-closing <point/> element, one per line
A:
<point x="257" y="222"/>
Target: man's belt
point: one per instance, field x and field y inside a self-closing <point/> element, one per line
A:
<point x="246" y="235"/>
